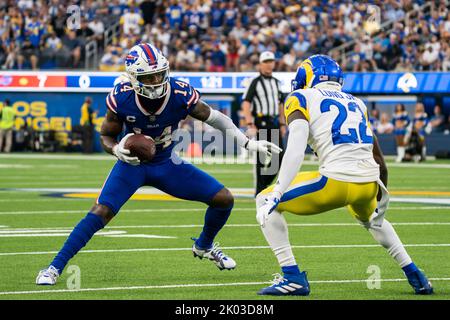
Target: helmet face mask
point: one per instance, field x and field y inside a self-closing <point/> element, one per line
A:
<point x="148" y="71"/>
<point x="151" y="85"/>
<point x="299" y="82"/>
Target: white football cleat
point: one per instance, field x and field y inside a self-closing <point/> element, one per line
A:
<point x="47" y="276"/>
<point x="216" y="255"/>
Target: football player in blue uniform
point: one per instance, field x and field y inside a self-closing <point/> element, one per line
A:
<point x="153" y="104"/>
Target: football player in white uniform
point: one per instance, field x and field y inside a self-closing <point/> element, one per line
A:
<point x="352" y="173"/>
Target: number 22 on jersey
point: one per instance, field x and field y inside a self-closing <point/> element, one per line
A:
<point x="355" y="135"/>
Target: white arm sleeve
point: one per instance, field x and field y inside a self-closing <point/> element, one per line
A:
<point x="221" y="122"/>
<point x="294" y="154"/>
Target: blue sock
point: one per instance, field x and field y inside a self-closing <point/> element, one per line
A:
<point x="215" y="219"/>
<point x="410" y="268"/>
<point x="291" y="271"/>
<point x="77" y="239"/>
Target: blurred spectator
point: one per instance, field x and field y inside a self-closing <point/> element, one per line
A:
<point x="174" y="15"/>
<point x="85" y="33"/>
<point x="287" y="63"/>
<point x="131" y="21"/>
<point x="429" y="58"/>
<point x="301" y="45"/>
<point x="7" y="116"/>
<point x="148" y="8"/>
<point x="401" y="121"/>
<point x="28" y="56"/>
<point x="218" y="60"/>
<point x="393" y="52"/>
<point x="72" y="48"/>
<point x="232" y="58"/>
<point x="185" y="59"/>
<point x="374" y="119"/>
<point x="217" y="14"/>
<point x="34" y="30"/>
<point x="98" y="28"/>
<point x="447" y="127"/>
<point x="244" y="29"/>
<point x="437" y="121"/>
<point x="420" y="119"/>
<point x="415" y="149"/>
<point x="53" y="54"/>
<point x="230" y="15"/>
<point x="385" y="126"/>
<point x="445" y="55"/>
<point x="113" y="60"/>
<point x="415" y="135"/>
<point x="87" y="122"/>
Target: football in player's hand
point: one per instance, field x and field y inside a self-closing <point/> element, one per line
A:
<point x="141" y="146"/>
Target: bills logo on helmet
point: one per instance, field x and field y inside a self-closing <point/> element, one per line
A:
<point x="131" y="58"/>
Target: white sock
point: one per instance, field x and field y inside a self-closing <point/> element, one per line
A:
<point x="400" y="153"/>
<point x="388" y="238"/>
<point x="276" y="233"/>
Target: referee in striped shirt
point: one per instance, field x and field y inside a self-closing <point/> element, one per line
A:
<point x="262" y="107"/>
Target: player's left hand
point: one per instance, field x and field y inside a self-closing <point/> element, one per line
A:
<point x="270" y="203"/>
<point x="263" y="146"/>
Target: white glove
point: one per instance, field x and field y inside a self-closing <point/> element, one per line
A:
<point x="263" y="146"/>
<point x="270" y="203"/>
<point x="123" y="154"/>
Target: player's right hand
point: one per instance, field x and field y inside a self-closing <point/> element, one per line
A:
<point x="263" y="146"/>
<point x="270" y="203"/>
<point x="124" y="154"/>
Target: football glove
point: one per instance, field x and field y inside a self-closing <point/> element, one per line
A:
<point x="270" y="203"/>
<point x="124" y="154"/>
<point x="263" y="146"/>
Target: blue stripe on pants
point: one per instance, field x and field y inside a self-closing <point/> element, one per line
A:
<point x="300" y="191"/>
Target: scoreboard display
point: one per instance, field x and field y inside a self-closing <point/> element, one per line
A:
<point x="224" y="83"/>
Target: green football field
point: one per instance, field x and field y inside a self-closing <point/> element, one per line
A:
<point x="145" y="252"/>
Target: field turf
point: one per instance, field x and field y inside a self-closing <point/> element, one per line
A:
<point x="145" y="251"/>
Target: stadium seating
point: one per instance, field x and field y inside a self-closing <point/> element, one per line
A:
<point x="228" y="35"/>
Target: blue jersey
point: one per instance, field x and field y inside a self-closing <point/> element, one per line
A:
<point x="160" y="124"/>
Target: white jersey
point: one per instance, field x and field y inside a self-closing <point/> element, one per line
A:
<point x="339" y="133"/>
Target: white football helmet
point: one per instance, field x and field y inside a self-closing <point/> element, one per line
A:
<point x="148" y="70"/>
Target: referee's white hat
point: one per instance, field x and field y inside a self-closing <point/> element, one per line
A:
<point x="266" y="56"/>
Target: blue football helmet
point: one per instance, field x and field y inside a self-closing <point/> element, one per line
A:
<point x="316" y="69"/>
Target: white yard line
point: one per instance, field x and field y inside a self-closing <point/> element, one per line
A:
<point x="124" y="211"/>
<point x="325" y="246"/>
<point x="48" y="199"/>
<point x="241" y="225"/>
<point x="441" y="201"/>
<point x="411" y="209"/>
<point x="206" y="160"/>
<point x="51" y="233"/>
<point x="195" y="285"/>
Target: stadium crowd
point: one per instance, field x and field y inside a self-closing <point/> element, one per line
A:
<point x="211" y="35"/>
